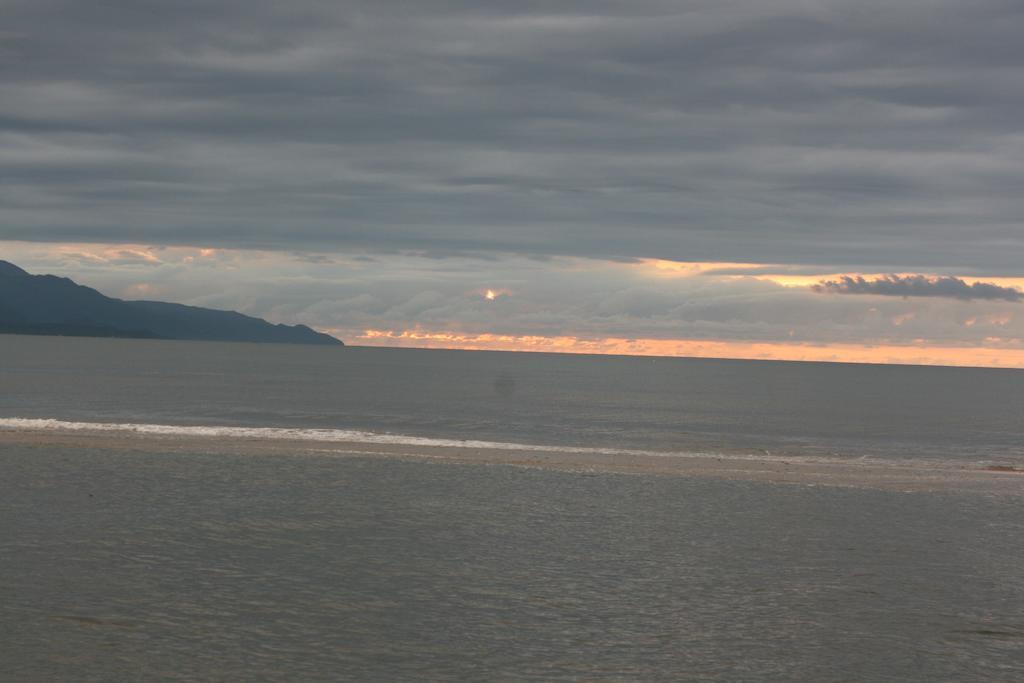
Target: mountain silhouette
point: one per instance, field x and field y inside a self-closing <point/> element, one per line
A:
<point x="47" y="304"/>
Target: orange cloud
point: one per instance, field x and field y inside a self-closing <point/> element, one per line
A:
<point x="980" y="356"/>
<point x="690" y="268"/>
<point x="104" y="253"/>
<point x="762" y="271"/>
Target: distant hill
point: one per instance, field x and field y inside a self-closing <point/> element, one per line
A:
<point x="47" y="304"/>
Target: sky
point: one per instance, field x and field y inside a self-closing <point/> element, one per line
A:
<point x="800" y="179"/>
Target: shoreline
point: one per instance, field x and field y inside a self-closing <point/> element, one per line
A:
<point x="872" y="474"/>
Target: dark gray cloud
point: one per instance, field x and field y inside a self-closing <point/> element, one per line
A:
<point x="783" y="131"/>
<point x="947" y="287"/>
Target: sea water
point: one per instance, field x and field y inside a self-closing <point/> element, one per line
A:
<point x="149" y="562"/>
<point x="659" y="404"/>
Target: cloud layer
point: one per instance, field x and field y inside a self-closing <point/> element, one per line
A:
<point x="918" y="285"/>
<point x="779" y="131"/>
<point x="579" y="299"/>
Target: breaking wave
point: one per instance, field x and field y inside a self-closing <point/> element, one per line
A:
<point x="291" y="434"/>
<point x="341" y="436"/>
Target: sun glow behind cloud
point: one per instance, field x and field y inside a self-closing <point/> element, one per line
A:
<point x="783" y="275"/>
<point x="569" y="305"/>
<point x="700" y="348"/>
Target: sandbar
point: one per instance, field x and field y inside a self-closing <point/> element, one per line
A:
<point x="902" y="475"/>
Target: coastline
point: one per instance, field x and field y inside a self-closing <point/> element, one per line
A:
<point x="870" y="474"/>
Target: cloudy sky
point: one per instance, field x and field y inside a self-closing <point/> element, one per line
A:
<point x="808" y="179"/>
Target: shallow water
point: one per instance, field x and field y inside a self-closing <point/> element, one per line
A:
<point x="667" y="404"/>
<point x="204" y="538"/>
<point x="123" y="565"/>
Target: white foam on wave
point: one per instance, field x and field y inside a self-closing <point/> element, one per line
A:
<point x="288" y="434"/>
<point x="359" y="436"/>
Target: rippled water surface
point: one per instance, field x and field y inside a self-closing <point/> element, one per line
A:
<point x="667" y="404"/>
<point x="138" y="560"/>
<point x="131" y="565"/>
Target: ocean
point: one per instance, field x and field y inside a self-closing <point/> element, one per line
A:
<point x="190" y="510"/>
<point x="659" y="404"/>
